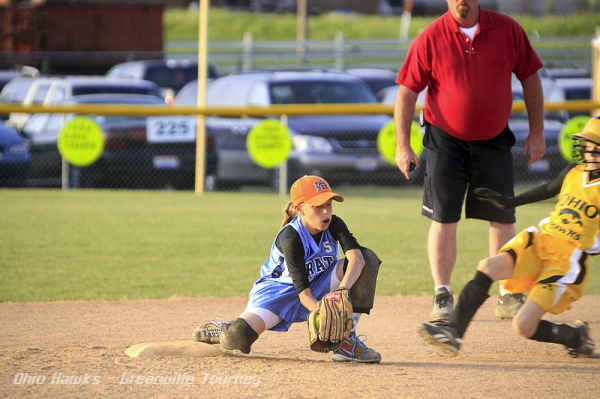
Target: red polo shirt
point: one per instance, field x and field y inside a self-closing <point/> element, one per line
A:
<point x="469" y="93"/>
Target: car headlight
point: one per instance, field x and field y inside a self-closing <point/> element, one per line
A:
<point x="18" y="149"/>
<point x="304" y="143"/>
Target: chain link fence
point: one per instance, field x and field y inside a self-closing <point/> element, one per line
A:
<point x="155" y="148"/>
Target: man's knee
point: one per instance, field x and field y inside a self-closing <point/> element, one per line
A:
<point x="502" y="226"/>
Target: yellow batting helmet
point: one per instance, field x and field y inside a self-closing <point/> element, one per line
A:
<point x="591" y="133"/>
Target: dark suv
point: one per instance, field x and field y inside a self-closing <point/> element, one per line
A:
<point x="341" y="148"/>
<point x="168" y="74"/>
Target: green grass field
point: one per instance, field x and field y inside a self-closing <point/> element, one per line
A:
<point x="225" y="25"/>
<point x="94" y="245"/>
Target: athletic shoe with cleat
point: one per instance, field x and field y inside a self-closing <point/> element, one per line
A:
<point x="442" y="336"/>
<point x="443" y="305"/>
<point x="586" y="347"/>
<point x="210" y="333"/>
<point x="509" y="305"/>
<point x="353" y="349"/>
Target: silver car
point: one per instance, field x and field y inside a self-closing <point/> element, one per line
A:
<point x="341" y="148"/>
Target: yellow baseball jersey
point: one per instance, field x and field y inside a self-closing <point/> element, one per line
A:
<point x="576" y="216"/>
<point x="552" y="260"/>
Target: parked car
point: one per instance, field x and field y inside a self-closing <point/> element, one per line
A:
<point x="550" y="164"/>
<point x="188" y="95"/>
<point x="561" y="73"/>
<point x="130" y="159"/>
<point x="14" y="92"/>
<point x="14" y="157"/>
<point x="53" y="90"/>
<point x="6" y="75"/>
<point x="377" y="78"/>
<point x="555" y="90"/>
<point x="342" y="148"/>
<point x="388" y="95"/>
<point x="566" y="89"/>
<point x="170" y="75"/>
<point x="559" y="89"/>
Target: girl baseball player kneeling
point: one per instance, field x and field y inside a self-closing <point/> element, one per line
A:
<point x="550" y="260"/>
<point x="302" y="268"/>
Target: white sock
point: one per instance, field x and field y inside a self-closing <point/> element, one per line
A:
<point x="502" y="290"/>
<point x="447" y="287"/>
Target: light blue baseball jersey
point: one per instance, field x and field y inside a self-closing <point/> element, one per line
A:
<point x="275" y="290"/>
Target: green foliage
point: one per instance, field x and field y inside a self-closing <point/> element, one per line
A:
<point x="579" y="24"/>
<point x="110" y="245"/>
<point x="224" y="25"/>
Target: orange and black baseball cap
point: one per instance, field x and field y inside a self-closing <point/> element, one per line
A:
<point x="313" y="190"/>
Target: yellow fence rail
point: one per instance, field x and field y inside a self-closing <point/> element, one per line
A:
<point x="325" y="109"/>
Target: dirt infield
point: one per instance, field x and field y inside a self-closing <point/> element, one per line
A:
<point x="76" y="349"/>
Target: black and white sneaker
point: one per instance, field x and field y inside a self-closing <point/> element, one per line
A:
<point x="442" y="336"/>
<point x="509" y="304"/>
<point x="586" y="346"/>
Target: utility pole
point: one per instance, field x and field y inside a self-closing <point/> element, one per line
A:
<point x="202" y="76"/>
<point x="301" y="30"/>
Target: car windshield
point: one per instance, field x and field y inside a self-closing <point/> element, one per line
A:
<point x="378" y="84"/>
<point x="320" y="93"/>
<point x="583" y="93"/>
<point x="104" y="119"/>
<point x="84" y="90"/>
<point x="15" y="91"/>
<point x="173" y="78"/>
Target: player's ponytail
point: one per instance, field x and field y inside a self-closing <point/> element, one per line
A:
<point x="288" y="213"/>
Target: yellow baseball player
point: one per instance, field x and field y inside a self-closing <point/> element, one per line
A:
<point x="550" y="260"/>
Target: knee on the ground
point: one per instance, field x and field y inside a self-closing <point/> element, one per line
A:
<point x="238" y="335"/>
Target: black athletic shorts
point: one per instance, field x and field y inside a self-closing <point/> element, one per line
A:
<point x="455" y="167"/>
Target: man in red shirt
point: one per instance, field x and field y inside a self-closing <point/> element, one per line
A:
<point x="465" y="60"/>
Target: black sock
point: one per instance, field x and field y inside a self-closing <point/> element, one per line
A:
<point x="471" y="298"/>
<point x="557" y="334"/>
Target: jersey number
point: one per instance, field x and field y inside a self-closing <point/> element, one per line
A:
<point x="327" y="247"/>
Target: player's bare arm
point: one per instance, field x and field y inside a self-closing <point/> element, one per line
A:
<point x="404" y="112"/>
<point x="308" y="300"/>
<point x="356" y="263"/>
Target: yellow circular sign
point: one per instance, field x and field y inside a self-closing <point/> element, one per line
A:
<point x="565" y="142"/>
<point x="386" y="141"/>
<point x="80" y="141"/>
<point x="269" y="143"/>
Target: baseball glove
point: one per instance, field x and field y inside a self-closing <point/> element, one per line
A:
<point x="332" y="322"/>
